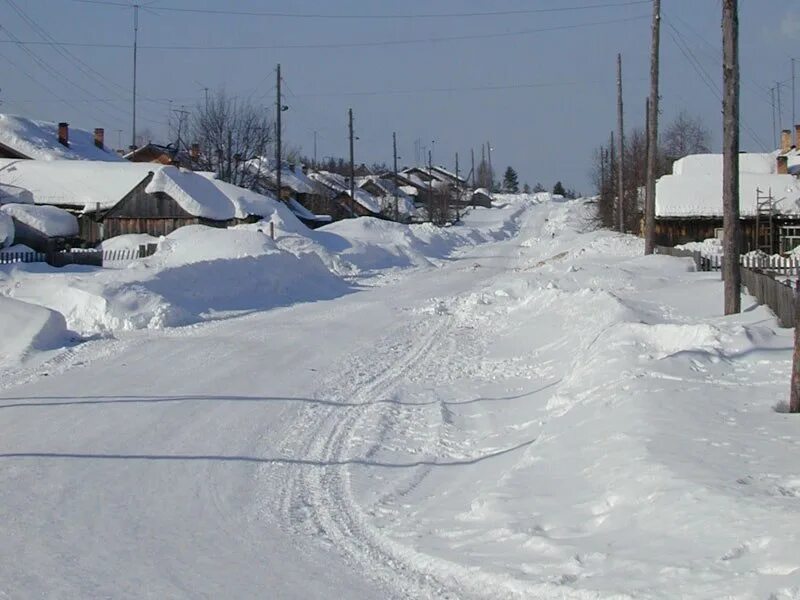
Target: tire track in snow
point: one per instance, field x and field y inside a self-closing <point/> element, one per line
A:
<point x="322" y="497"/>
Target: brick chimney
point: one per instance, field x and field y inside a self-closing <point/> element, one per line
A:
<point x="99" y="137"/>
<point x="797" y="136"/>
<point x="786" y="141"/>
<point x="63" y="134"/>
<point x="783" y="165"/>
<point x="194" y="152"/>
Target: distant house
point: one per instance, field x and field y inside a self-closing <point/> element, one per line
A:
<point x="163" y="155"/>
<point x="360" y="204"/>
<point x="689" y="201"/>
<point x="480" y="197"/>
<point x="25" y="138"/>
<point x="391" y="196"/>
<point x="111" y="199"/>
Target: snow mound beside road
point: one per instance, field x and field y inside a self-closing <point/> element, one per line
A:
<point x="199" y="273"/>
<point x="25" y="328"/>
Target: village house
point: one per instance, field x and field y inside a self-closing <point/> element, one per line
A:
<point x="361" y="204"/>
<point x="689" y="201"/>
<point x="110" y="199"/>
<point x="164" y="155"/>
<point x="394" y="201"/>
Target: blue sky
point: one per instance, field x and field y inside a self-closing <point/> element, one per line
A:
<point x="550" y="97"/>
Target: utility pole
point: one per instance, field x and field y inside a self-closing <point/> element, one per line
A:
<point x="472" y="155"/>
<point x="794" y="116"/>
<point x="352" y="159"/>
<point x="652" y="134"/>
<point x="612" y="163"/>
<point x="278" y="129"/>
<point x="730" y="149"/>
<point x="491" y="171"/>
<point x="135" y="55"/>
<point x="394" y="167"/>
<point x="621" y="150"/>
<point x="315" y="149"/>
<point x="458" y="192"/>
<point x="432" y="200"/>
<point x="778" y="85"/>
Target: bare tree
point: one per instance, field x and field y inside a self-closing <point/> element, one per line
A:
<point x="685" y="135"/>
<point x="231" y="132"/>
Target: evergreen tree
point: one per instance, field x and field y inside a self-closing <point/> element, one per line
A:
<point x="538" y="188"/>
<point x="511" y="181"/>
<point x="526" y="188"/>
<point x="558" y="189"/>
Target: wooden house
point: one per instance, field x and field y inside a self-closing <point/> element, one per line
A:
<point x="360" y="204"/>
<point x="111" y="199"/>
<point x="689" y="201"/>
<point x="162" y="155"/>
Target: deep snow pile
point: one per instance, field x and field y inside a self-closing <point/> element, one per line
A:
<point x="199" y="273"/>
<point x="25" y="328"/>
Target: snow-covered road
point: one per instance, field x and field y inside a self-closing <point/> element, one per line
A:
<point x="545" y="416"/>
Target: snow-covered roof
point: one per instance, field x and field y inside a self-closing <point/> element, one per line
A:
<point x="6" y="230"/>
<point x="48" y="220"/>
<point x="39" y="140"/>
<point x="15" y="194"/>
<point x="695" y="187"/>
<point x="483" y="191"/>
<point x="85" y="185"/>
<point x="292" y="177"/>
<point x="302" y="212"/>
<point x="391" y="192"/>
<point x="339" y="184"/>
<point x="245" y="202"/>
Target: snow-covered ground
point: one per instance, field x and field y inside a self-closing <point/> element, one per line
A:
<point x="534" y="410"/>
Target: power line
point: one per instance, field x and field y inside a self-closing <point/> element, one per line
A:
<point x="274" y="14"/>
<point x="332" y="45"/>
<point x="708" y="80"/>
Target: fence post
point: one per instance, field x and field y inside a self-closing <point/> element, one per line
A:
<point x="794" y="399"/>
<point x="272" y="230"/>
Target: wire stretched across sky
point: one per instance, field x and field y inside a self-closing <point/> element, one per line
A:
<point x="332" y="45"/>
<point x="352" y="16"/>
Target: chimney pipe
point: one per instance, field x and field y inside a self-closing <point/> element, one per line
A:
<point x="99" y="137"/>
<point x="63" y="134"/>
<point x="194" y="152"/>
<point x="783" y="165"/>
<point x="786" y="141"/>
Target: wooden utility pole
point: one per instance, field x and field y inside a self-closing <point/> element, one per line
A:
<point x="135" y="56"/>
<point x="278" y="129"/>
<point x="774" y="125"/>
<point x="652" y="134"/>
<point x="621" y="150"/>
<point x="315" y="149"/>
<point x="794" y="395"/>
<point x="491" y="171"/>
<point x="352" y="159"/>
<point x="472" y="155"/>
<point x="794" y="116"/>
<point x="394" y="155"/>
<point x="458" y="192"/>
<point x="730" y="150"/>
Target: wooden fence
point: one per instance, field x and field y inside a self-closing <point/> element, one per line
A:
<point x="97" y="258"/>
<point x="780" y="296"/>
<point x="759" y="274"/>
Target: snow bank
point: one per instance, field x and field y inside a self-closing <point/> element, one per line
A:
<point x="48" y="220"/>
<point x="199" y="273"/>
<point x="6" y="230"/>
<point x="25" y="328"/>
<point x="130" y="241"/>
<point x="39" y="140"/>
